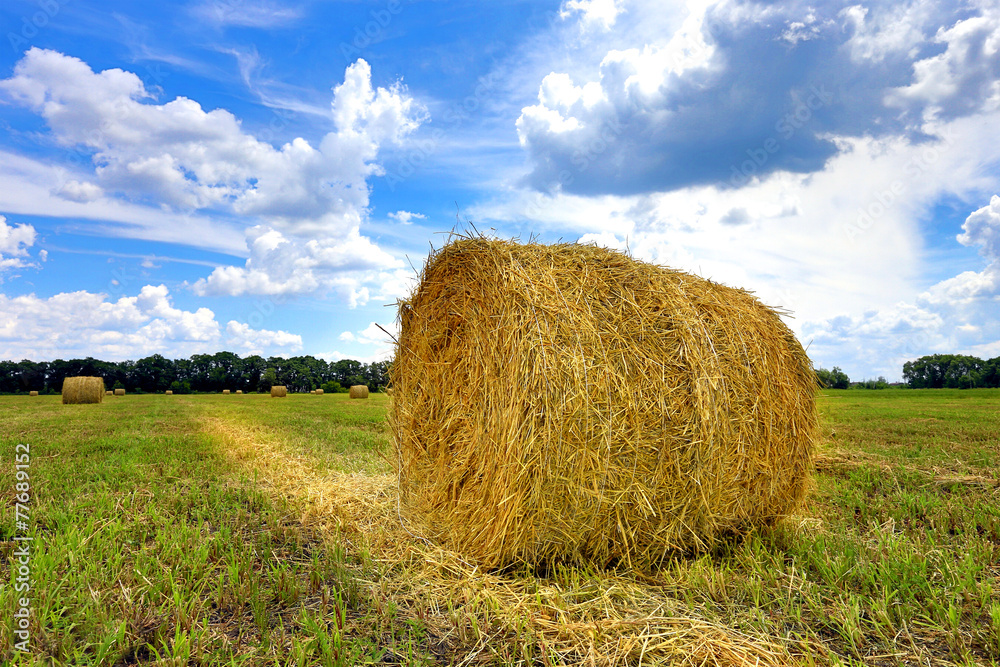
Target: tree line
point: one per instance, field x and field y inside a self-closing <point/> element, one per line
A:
<point x="955" y="371"/>
<point x="933" y="371"/>
<point x="199" y="373"/>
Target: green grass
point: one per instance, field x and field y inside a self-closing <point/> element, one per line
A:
<point x="154" y="543"/>
<point x="150" y="545"/>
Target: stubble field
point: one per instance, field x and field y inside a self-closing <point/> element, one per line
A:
<point x="245" y="530"/>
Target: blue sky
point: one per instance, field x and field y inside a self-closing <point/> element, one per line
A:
<point x="264" y="176"/>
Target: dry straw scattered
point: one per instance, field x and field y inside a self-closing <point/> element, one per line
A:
<point x="82" y="390"/>
<point x="279" y="391"/>
<point x="359" y="391"/>
<point x="32" y="393"/>
<point x="567" y="403"/>
<point x="119" y="392"/>
<point x="594" y="618"/>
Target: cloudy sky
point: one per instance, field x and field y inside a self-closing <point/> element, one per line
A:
<point x="264" y="176"/>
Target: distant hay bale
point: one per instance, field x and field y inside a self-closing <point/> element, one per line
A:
<point x="32" y="393"/>
<point x="169" y="393"/>
<point x="279" y="391"/>
<point x="82" y="390"/>
<point x="359" y="391"/>
<point x="567" y="402"/>
<point x="312" y="391"/>
<point x="119" y="392"/>
<point x="109" y="393"/>
<point x="225" y="391"/>
<point x="239" y="391"/>
<point x="318" y="392"/>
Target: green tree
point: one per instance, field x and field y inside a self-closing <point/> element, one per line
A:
<point x="833" y="379"/>
<point x="253" y="371"/>
<point x="179" y="387"/>
<point x="153" y="374"/>
<point x="268" y="379"/>
<point x="943" y="370"/>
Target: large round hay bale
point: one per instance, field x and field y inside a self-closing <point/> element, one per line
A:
<point x="279" y="391"/>
<point x="239" y="391"/>
<point x="119" y="392"/>
<point x="567" y="402"/>
<point x="359" y="391"/>
<point x="109" y="393"/>
<point x="168" y="392"/>
<point x="319" y="392"/>
<point x="82" y="390"/>
<point x="32" y="393"/>
<point x="225" y="392"/>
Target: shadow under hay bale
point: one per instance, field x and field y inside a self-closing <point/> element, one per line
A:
<point x="82" y="390"/>
<point x="359" y="391"/>
<point x="567" y="402"/>
<point x="279" y="391"/>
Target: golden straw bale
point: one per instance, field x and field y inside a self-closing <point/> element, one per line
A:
<point x="119" y="392"/>
<point x="313" y="391"/>
<point x="567" y="402"/>
<point x="109" y="393"/>
<point x="318" y="392"/>
<point x="359" y="391"/>
<point x="279" y="391"/>
<point x="239" y="391"/>
<point x="225" y="391"/>
<point x="169" y="393"/>
<point x="82" y="390"/>
<point x="32" y="393"/>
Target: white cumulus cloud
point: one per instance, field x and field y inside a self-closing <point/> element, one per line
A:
<point x="14" y="243"/>
<point x="593" y="13"/>
<point x="308" y="201"/>
<point x="93" y="324"/>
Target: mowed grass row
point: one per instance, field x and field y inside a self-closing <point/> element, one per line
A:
<point x="153" y="543"/>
